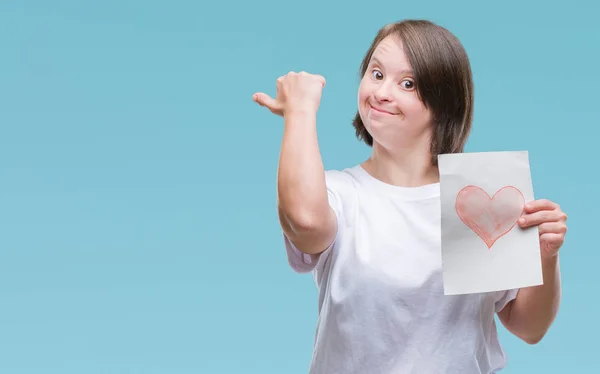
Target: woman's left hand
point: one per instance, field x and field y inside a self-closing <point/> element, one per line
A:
<point x="551" y="222"/>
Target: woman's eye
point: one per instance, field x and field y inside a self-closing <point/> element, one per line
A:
<point x="408" y="84"/>
<point x="377" y="74"/>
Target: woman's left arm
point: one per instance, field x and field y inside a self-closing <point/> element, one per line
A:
<point x="531" y="313"/>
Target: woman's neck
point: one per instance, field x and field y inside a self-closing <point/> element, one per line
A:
<point x="407" y="168"/>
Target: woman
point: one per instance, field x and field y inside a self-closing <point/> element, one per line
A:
<point x="371" y="233"/>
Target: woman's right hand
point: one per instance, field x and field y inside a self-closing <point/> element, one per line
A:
<point x="296" y="92"/>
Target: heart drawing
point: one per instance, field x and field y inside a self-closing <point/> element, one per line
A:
<point x="490" y="217"/>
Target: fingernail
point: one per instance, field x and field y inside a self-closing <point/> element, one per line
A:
<point x="521" y="220"/>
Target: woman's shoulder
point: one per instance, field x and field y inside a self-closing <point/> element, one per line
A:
<point x="348" y="176"/>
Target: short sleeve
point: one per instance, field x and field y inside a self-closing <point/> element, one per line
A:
<point x="505" y="298"/>
<point x="302" y="262"/>
<point x="336" y="182"/>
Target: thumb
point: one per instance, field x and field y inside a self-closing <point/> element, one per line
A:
<point x="265" y="100"/>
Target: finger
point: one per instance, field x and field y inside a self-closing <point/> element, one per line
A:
<point x="552" y="228"/>
<point x="553" y="240"/>
<point x="542" y="204"/>
<point x="539" y="217"/>
<point x="265" y="100"/>
<point x="321" y="79"/>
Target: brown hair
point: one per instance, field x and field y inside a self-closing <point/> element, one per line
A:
<point x="443" y="81"/>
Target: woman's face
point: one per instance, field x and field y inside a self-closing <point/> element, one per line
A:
<point x="387" y="99"/>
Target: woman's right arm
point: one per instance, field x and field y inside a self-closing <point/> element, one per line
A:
<point x="305" y="215"/>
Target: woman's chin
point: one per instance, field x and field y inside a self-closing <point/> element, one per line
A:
<point x="376" y="125"/>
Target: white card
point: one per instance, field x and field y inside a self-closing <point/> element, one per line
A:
<point x="483" y="247"/>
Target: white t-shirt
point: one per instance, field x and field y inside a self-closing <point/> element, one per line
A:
<point x="381" y="302"/>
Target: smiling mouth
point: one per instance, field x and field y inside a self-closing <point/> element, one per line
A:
<point x="381" y="110"/>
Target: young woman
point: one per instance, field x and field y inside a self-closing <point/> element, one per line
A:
<point x="371" y="233"/>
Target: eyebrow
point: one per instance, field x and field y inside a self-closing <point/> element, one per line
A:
<point x="376" y="61"/>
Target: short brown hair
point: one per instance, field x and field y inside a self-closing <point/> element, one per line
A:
<point x="443" y="81"/>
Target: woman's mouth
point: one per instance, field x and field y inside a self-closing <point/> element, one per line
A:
<point x="381" y="111"/>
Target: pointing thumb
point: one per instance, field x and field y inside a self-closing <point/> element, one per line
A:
<point x="265" y="100"/>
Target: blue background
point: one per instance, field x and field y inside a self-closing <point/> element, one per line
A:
<point x="138" y="231"/>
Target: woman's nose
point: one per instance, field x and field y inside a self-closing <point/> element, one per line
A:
<point x="383" y="92"/>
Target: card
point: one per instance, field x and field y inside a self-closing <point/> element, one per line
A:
<point x="483" y="248"/>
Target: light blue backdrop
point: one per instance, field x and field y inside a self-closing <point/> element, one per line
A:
<point x="138" y="231"/>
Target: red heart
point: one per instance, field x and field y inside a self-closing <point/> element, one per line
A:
<point x="490" y="218"/>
